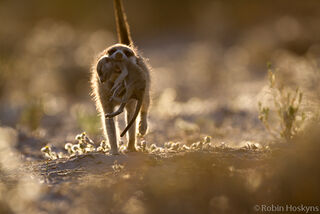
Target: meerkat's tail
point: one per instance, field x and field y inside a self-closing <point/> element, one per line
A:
<point x="123" y="29"/>
<point x="138" y="107"/>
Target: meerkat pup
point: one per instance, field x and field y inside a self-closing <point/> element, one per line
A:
<point x="133" y="86"/>
<point x="104" y="74"/>
<point x="108" y="69"/>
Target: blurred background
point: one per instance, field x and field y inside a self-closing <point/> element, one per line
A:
<point x="209" y="62"/>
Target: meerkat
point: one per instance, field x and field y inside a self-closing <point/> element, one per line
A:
<point x="134" y="84"/>
<point x="103" y="82"/>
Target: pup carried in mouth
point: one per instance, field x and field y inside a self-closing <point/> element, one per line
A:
<point x="128" y="85"/>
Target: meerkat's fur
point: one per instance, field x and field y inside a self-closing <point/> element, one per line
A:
<point x="103" y="82"/>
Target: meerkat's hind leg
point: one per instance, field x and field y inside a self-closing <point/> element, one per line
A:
<point x="118" y="99"/>
<point x="117" y="91"/>
<point x="143" y="124"/>
<point x="131" y="137"/>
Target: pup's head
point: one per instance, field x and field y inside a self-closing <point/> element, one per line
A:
<point x="110" y="62"/>
<point x="105" y="68"/>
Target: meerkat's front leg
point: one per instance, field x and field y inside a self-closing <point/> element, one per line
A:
<point x="112" y="137"/>
<point x="130" y="108"/>
<point x="110" y="131"/>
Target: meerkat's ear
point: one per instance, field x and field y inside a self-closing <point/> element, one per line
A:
<point x="99" y="66"/>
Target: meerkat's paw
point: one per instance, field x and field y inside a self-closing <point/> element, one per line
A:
<point x="114" y="152"/>
<point x="130" y="149"/>
<point x="143" y="126"/>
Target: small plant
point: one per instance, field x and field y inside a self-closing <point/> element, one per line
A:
<point x="32" y="114"/>
<point x="84" y="145"/>
<point x="142" y="146"/>
<point x="104" y="147"/>
<point x="289" y="117"/>
<point x="48" y="153"/>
